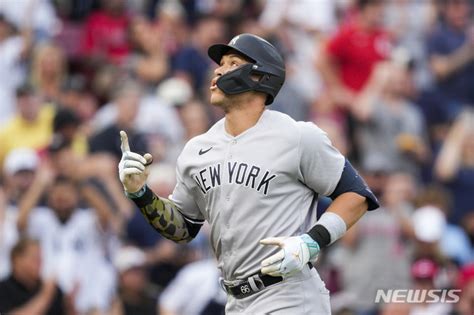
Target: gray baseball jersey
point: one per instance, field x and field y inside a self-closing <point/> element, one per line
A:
<point x="261" y="183"/>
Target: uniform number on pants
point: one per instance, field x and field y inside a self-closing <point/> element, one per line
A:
<point x="245" y="289"/>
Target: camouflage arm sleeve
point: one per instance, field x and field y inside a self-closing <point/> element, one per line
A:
<point x="164" y="216"/>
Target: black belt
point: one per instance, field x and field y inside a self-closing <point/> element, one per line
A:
<point x="254" y="284"/>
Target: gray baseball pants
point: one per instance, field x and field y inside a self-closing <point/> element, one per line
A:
<point x="299" y="294"/>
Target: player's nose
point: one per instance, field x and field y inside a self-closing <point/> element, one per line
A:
<point x="218" y="71"/>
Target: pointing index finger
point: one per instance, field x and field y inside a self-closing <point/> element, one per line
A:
<point x="124" y="146"/>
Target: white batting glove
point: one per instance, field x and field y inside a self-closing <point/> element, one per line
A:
<point x="295" y="253"/>
<point x="133" y="168"/>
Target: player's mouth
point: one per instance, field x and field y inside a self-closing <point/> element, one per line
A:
<point x="213" y="84"/>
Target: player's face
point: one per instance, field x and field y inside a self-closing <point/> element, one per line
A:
<point x="229" y="62"/>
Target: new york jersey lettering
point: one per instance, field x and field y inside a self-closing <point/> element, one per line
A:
<point x="237" y="173"/>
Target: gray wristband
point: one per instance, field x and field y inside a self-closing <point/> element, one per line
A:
<point x="137" y="194"/>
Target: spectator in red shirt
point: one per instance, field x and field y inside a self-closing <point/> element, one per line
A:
<point x="347" y="59"/>
<point x="105" y="33"/>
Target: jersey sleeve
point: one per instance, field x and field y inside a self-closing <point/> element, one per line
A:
<point x="320" y="163"/>
<point x="182" y="197"/>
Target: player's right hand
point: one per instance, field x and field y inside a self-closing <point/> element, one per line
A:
<point x="133" y="168"/>
<point x="294" y="254"/>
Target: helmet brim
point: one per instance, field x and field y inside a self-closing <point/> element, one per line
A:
<point x="215" y="52"/>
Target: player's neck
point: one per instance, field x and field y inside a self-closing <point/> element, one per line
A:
<point x="241" y="118"/>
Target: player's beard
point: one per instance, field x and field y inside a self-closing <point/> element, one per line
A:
<point x="229" y="102"/>
<point x="217" y="97"/>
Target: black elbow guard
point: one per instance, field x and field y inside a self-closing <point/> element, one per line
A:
<point x="352" y="182"/>
<point x="193" y="226"/>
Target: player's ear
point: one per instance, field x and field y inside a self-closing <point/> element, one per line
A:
<point x="256" y="77"/>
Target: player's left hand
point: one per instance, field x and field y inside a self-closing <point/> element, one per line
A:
<point x="291" y="258"/>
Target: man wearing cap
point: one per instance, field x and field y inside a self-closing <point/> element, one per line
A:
<point x="423" y="273"/>
<point x="18" y="174"/>
<point x="133" y="294"/>
<point x="18" y="171"/>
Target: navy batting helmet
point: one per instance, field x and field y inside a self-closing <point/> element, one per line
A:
<point x="266" y="62"/>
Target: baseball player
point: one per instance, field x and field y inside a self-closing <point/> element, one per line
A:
<point x="255" y="176"/>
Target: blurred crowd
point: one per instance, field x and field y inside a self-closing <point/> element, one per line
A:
<point x="390" y="81"/>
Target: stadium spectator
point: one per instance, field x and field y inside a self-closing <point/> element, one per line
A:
<point x="30" y="127"/>
<point x="429" y="224"/>
<point x="192" y="62"/>
<point x="195" y="119"/>
<point x="153" y="107"/>
<point x="466" y="285"/>
<point x="105" y="37"/>
<point x="454" y="165"/>
<point x="408" y="22"/>
<point x="225" y="9"/>
<point x="18" y="174"/>
<point x="13" y="49"/>
<point x="335" y="132"/>
<point x="148" y="61"/>
<point x="37" y="15"/>
<point x="126" y="99"/>
<point x="170" y="22"/>
<point x="423" y="273"/>
<point x="454" y="242"/>
<point x="102" y="78"/>
<point x="468" y="227"/>
<point x="24" y="292"/>
<point x="302" y="26"/>
<point x="66" y="124"/>
<point x="134" y="290"/>
<point x="164" y="139"/>
<point x="74" y="244"/>
<point x="430" y="227"/>
<point x="391" y="129"/>
<point x="387" y="233"/>
<point x="8" y="234"/>
<point x="194" y="291"/>
<point x="97" y="187"/>
<point x="451" y="56"/>
<point x="348" y="58"/>
<point x="76" y="96"/>
<point x="48" y="71"/>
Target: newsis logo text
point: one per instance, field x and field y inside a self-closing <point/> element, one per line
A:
<point x="417" y="296"/>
